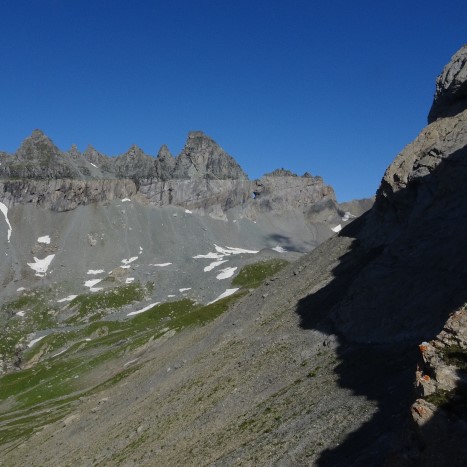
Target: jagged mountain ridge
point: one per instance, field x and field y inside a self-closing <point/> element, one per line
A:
<point x="202" y="177"/>
<point x="39" y="158"/>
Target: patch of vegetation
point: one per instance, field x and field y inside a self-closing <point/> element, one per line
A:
<point x="37" y="316"/>
<point x="62" y="374"/>
<point x="112" y="298"/>
<point x="313" y="373"/>
<point x="454" y="402"/>
<point x="455" y="355"/>
<point x="253" y="275"/>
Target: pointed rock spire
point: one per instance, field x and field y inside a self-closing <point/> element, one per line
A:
<point x="164" y="163"/>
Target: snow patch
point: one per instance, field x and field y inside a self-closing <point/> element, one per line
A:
<point x="4" y="210"/>
<point x="279" y="249"/>
<point x="227" y="293"/>
<point x="130" y="260"/>
<point x="227" y="251"/>
<point x="226" y="273"/>
<point x="67" y="299"/>
<point x="125" y="267"/>
<point x="20" y="313"/>
<point x="94" y="165"/>
<point x="129" y="280"/>
<point x="34" y="341"/>
<point x="188" y="211"/>
<point x="185" y="289"/>
<point x="96" y="289"/>
<point x="92" y="282"/>
<point x="347" y="216"/>
<point x="214" y="265"/>
<point x="93" y="272"/>
<point x="21" y="289"/>
<point x="125" y="200"/>
<point x="146" y="308"/>
<point x="41" y="265"/>
<point x="209" y="256"/>
<point x="161" y="265"/>
<point x="337" y="228"/>
<point x="59" y="353"/>
<point x="171" y="296"/>
<point x="44" y="239"/>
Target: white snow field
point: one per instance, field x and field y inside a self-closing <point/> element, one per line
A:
<point x="227" y="293"/>
<point x="4" y="210"/>
<point x="41" y="265"/>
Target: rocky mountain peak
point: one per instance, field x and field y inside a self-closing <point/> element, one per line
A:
<point x="203" y="158"/>
<point x="164" y="153"/>
<point x="38" y="146"/>
<point x="135" y="163"/>
<point x="281" y="173"/>
<point x="74" y="152"/>
<point x="451" y="88"/>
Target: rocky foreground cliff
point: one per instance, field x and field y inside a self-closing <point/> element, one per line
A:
<point x="319" y="365"/>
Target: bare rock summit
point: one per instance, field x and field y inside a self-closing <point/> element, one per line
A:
<point x="451" y="88"/>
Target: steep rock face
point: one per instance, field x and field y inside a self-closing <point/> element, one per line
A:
<point x="64" y="195"/>
<point x="451" y="88"/>
<point x="416" y="241"/>
<point x="308" y="195"/>
<point x="203" y="158"/>
<point x="278" y="192"/>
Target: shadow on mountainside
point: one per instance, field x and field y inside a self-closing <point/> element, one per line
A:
<point x="404" y="274"/>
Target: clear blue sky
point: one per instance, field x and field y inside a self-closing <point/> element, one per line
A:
<point x="336" y="88"/>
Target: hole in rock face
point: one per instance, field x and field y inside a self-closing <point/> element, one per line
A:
<point x="255" y="194"/>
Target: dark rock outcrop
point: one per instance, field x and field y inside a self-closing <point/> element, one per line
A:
<point x="440" y="412"/>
